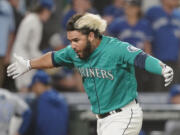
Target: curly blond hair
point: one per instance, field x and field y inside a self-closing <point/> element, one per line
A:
<point x="91" y="21"/>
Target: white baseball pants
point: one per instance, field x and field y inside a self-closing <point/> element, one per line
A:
<point x="126" y="122"/>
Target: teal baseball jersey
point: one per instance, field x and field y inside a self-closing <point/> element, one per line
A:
<point x="108" y="74"/>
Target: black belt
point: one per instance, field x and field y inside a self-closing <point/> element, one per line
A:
<point x="101" y="116"/>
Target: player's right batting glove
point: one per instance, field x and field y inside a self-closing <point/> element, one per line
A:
<point x="19" y="67"/>
<point x="167" y="73"/>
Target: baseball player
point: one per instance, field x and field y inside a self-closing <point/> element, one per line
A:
<point x="106" y="65"/>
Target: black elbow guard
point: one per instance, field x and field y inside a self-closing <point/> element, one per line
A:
<point x="140" y="59"/>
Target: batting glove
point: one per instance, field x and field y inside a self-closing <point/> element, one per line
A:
<point x="167" y="73"/>
<point x="19" y="67"/>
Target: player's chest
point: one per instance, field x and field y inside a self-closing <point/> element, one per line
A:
<point x="101" y="61"/>
<point x="103" y="66"/>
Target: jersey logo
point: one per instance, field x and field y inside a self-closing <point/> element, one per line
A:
<point x="132" y="48"/>
<point x="95" y="72"/>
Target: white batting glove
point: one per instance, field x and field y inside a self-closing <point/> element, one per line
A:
<point x="167" y="73"/>
<point x="19" y="67"/>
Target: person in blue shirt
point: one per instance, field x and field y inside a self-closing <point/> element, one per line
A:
<point x="134" y="29"/>
<point x="49" y="110"/>
<point x="7" y="28"/>
<point x="166" y="36"/>
<point x="113" y="10"/>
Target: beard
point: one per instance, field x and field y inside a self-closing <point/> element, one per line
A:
<point x="87" y="51"/>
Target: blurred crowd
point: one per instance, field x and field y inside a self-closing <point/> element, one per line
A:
<point x="30" y="28"/>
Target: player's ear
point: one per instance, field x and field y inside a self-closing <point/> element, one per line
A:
<point x="91" y="36"/>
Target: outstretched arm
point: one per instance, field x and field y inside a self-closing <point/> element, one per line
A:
<point x="21" y="65"/>
<point x="48" y="60"/>
<point x="155" y="66"/>
<point x="45" y="61"/>
<point x="137" y="57"/>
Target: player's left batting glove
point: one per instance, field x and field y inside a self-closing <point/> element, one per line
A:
<point x="19" y="67"/>
<point x="167" y="73"/>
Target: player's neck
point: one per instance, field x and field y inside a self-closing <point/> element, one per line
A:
<point x="95" y="44"/>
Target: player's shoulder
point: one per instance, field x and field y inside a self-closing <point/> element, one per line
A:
<point x="126" y="48"/>
<point x="111" y="40"/>
<point x="68" y="50"/>
<point x="115" y="43"/>
<point x="119" y="48"/>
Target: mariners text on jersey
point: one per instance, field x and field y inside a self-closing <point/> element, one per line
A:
<point x="99" y="73"/>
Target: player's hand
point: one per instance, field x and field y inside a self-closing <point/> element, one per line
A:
<point x="167" y="73"/>
<point x="19" y="67"/>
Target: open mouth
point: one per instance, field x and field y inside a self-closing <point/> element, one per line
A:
<point x="78" y="52"/>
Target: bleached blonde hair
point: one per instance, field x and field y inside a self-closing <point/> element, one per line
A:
<point x="91" y="21"/>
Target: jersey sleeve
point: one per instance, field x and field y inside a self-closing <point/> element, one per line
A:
<point x="129" y="53"/>
<point x="63" y="57"/>
<point x="153" y="65"/>
<point x="137" y="57"/>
